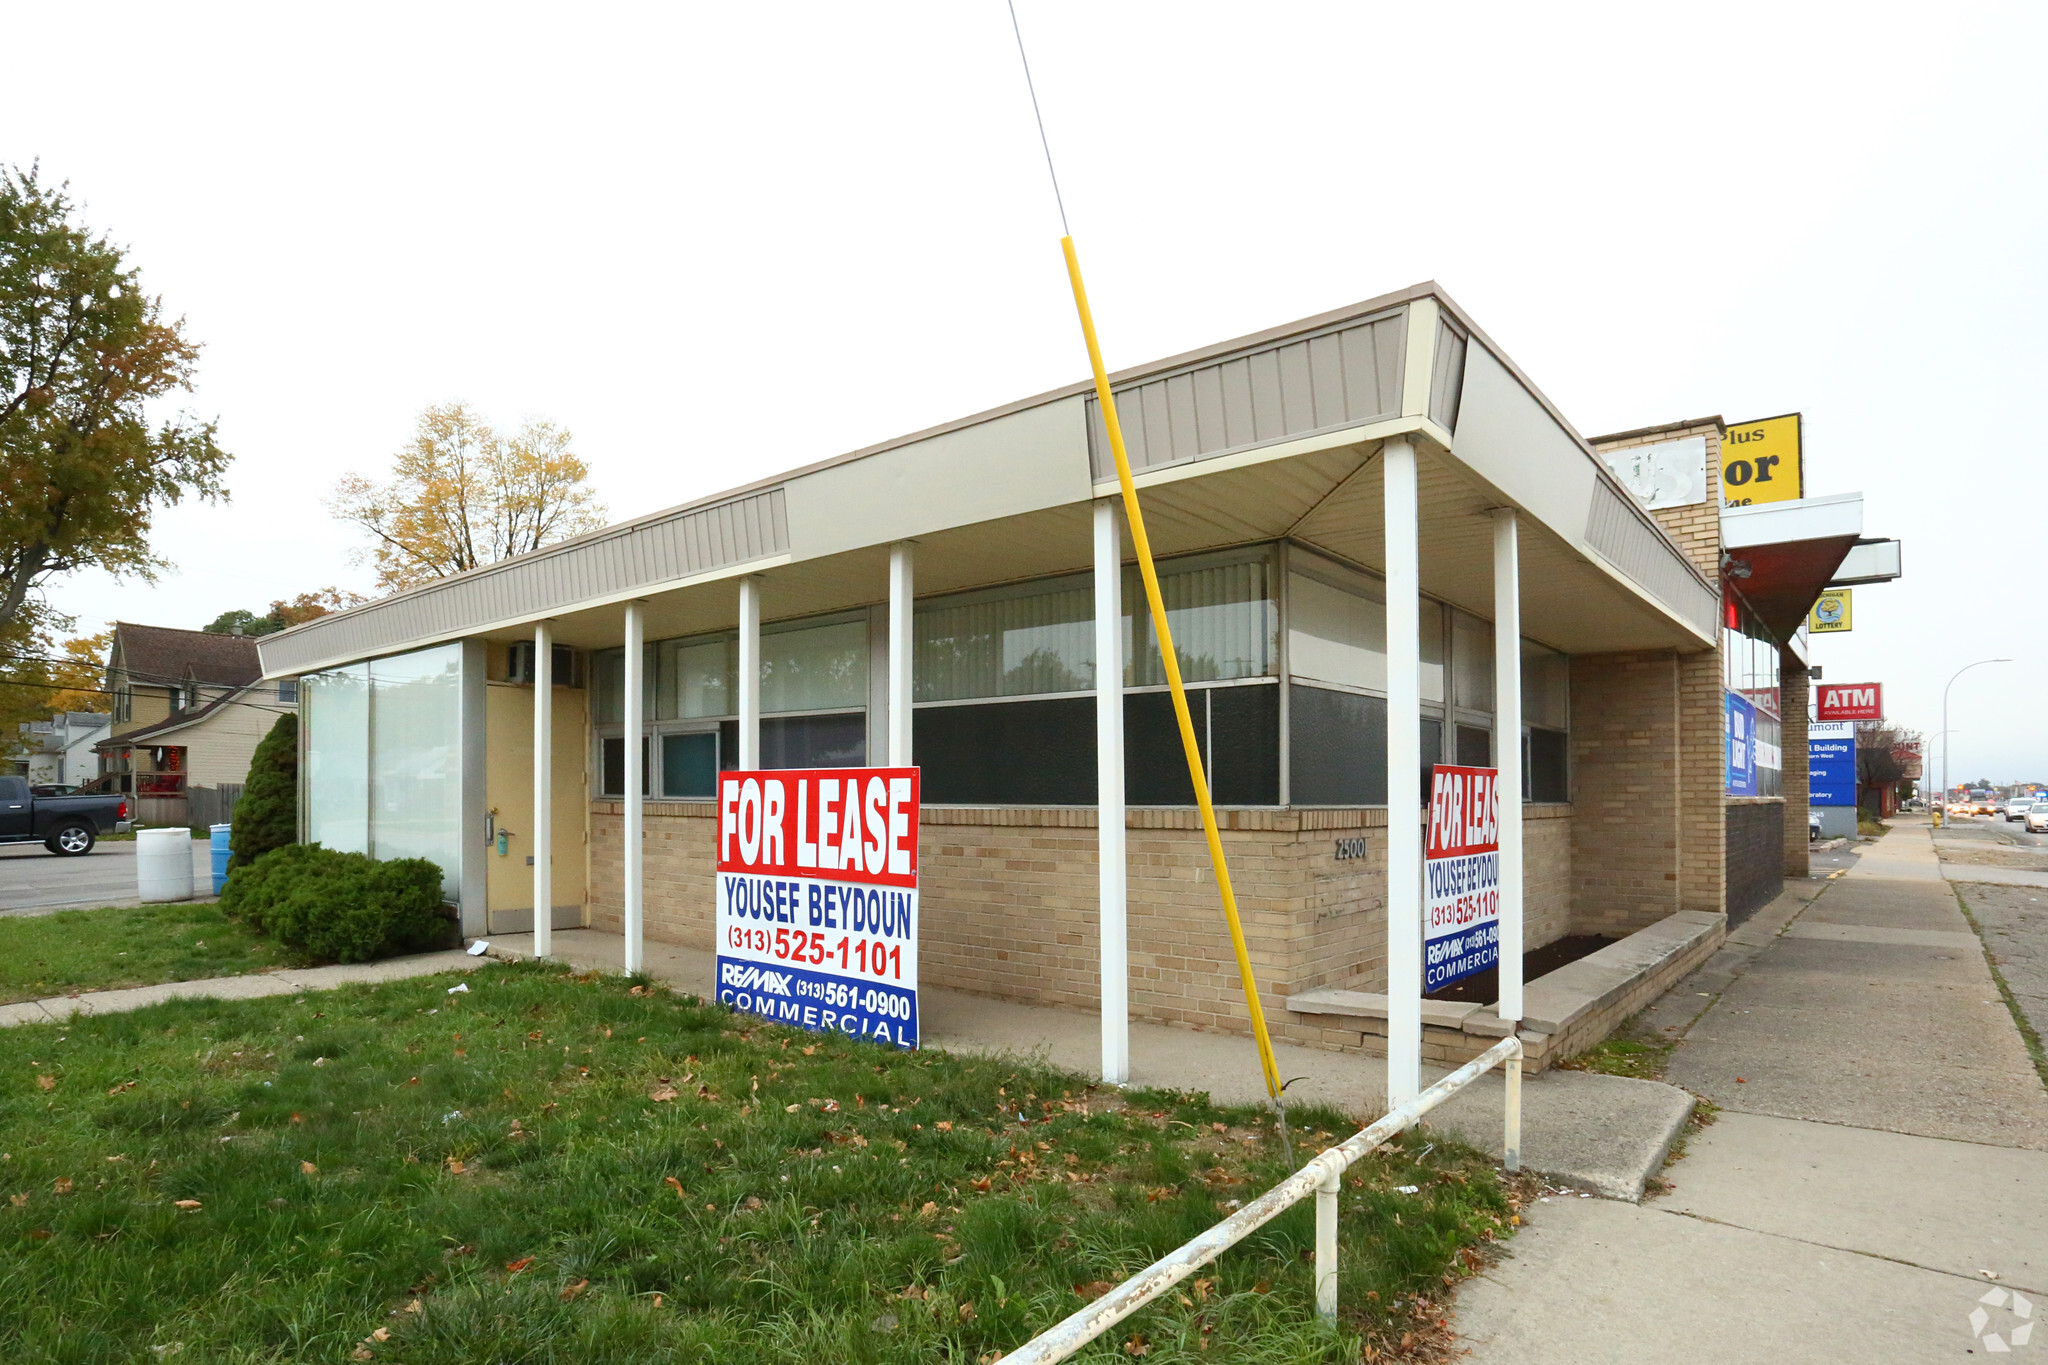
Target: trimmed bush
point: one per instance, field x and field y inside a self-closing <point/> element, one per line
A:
<point x="267" y="816"/>
<point x="341" y="907"/>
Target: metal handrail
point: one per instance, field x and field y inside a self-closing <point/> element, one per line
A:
<point x="1322" y="1177"/>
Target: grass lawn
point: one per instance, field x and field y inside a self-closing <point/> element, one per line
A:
<point x="98" y="950"/>
<point x="557" y="1168"/>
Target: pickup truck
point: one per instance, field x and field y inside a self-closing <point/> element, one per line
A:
<point x="66" y="825"/>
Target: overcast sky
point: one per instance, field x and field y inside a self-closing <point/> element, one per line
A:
<point x="719" y="241"/>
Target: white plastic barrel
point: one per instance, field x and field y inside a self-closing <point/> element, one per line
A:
<point x="163" y="864"/>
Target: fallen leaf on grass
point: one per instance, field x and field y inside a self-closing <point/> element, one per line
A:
<point x="1202" y="1288"/>
<point x="455" y="1166"/>
<point x="1093" y="1290"/>
<point x="573" y="1290"/>
<point x="308" y="1168"/>
<point x="516" y="1266"/>
<point x="967" y="1312"/>
<point x="675" y="1185"/>
<point x="1136" y="1346"/>
<point x="927" y="1211"/>
<point x="186" y="1204"/>
<point x="662" y="1094"/>
<point x="63" y="1185"/>
<point x="125" y="1085"/>
<point x="381" y="1334"/>
<point x="657" y="1300"/>
<point x="47" y="1082"/>
<point x="361" y="1353"/>
<point x="944" y="1125"/>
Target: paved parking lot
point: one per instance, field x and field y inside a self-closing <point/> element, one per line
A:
<point x="33" y="879"/>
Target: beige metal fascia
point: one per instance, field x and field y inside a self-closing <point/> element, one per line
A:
<point x="507" y="623"/>
<point x="1616" y="575"/>
<point x="1282" y="450"/>
<point x="1419" y="360"/>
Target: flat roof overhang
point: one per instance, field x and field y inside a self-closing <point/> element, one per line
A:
<point x="1269" y="437"/>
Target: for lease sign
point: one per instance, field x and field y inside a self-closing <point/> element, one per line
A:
<point x="817" y="899"/>
<point x="1849" y="701"/>
<point x="1461" y="875"/>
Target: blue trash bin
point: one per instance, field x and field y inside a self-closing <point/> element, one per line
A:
<point x="220" y="855"/>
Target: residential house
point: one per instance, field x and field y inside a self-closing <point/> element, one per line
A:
<point x="59" y="751"/>
<point x="189" y="710"/>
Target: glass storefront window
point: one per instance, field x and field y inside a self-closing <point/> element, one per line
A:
<point x="1221" y="611"/>
<point x="814" y="668"/>
<point x="384" y="758"/>
<point x="336" y="708"/>
<point x="1026" y="640"/>
<point x="1472" y="662"/>
<point x="699" y="678"/>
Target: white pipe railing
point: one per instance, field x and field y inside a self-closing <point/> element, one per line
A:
<point x="1322" y="1177"/>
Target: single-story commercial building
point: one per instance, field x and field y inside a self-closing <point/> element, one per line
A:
<point x="961" y="590"/>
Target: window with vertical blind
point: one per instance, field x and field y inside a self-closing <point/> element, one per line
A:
<point x="814" y="698"/>
<point x="1337" y="669"/>
<point x="1002" y="677"/>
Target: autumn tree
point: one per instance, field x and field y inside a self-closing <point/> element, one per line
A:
<point x="84" y="354"/>
<point x="283" y="613"/>
<point x="461" y="496"/>
<point x="40" y="676"/>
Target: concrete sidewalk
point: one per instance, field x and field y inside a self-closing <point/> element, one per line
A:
<point x="1607" y="1134"/>
<point x="291" y="981"/>
<point x="1877" y="1169"/>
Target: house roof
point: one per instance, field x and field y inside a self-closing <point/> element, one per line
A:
<point x="163" y="654"/>
<point x="178" y="720"/>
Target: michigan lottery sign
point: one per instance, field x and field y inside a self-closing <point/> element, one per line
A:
<point x="817" y="899"/>
<point x="1461" y="876"/>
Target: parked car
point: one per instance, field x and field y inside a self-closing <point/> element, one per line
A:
<point x="2037" y="818"/>
<point x="66" y="825"/>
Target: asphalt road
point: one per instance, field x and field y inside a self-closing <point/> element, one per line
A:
<point x="32" y="879"/>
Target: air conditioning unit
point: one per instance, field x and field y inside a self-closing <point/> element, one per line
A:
<point x="567" y="672"/>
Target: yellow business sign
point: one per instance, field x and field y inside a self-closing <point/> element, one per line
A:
<point x="1832" y="613"/>
<point x="1760" y="462"/>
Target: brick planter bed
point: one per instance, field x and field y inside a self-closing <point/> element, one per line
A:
<point x="1563" y="1013"/>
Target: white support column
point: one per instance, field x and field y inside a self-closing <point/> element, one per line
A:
<point x="750" y="672"/>
<point x="543" y="790"/>
<point x="1507" y="744"/>
<point x="1109" y="788"/>
<point x="901" y="595"/>
<point x="1404" y="775"/>
<point x="636" y="763"/>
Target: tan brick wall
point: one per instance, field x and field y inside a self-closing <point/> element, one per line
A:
<point x="1009" y="902"/>
<point x="1793" y="687"/>
<point x="1626" y="791"/>
<point x="1702" y="783"/>
<point x="1700" y="828"/>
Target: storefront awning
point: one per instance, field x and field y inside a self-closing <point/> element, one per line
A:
<point x="1783" y="555"/>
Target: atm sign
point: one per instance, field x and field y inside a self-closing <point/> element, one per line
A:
<point x="1850" y="701"/>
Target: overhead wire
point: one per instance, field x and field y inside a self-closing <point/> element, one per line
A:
<point x="1169" y="655"/>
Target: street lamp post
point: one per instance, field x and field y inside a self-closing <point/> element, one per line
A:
<point x="1944" y="726"/>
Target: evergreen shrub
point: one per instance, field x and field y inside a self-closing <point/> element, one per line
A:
<point x="267" y="816"/>
<point x="341" y="907"/>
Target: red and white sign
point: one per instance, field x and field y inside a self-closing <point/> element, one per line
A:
<point x="817" y="911"/>
<point x="1461" y="875"/>
<point x="1850" y="701"/>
